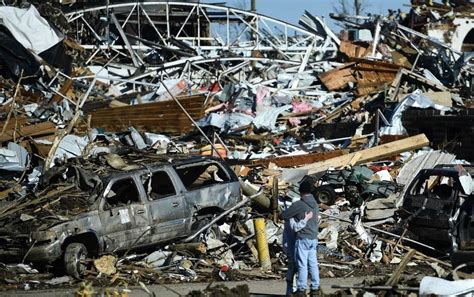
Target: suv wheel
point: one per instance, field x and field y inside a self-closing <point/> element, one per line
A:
<point x="74" y="257"/>
<point x="211" y="232"/>
<point x="325" y="194"/>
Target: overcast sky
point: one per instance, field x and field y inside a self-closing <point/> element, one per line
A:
<point x="292" y="10"/>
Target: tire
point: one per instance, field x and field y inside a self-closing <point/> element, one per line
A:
<point x="212" y="232"/>
<point x="75" y="253"/>
<point x="325" y="194"/>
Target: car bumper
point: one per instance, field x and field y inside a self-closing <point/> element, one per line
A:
<point x="44" y="253"/>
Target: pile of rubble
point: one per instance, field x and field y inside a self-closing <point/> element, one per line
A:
<point x="129" y="132"/>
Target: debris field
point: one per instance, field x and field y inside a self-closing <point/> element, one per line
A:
<point x="158" y="142"/>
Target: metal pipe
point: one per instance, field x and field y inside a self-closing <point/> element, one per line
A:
<point x="378" y="288"/>
<point x="377" y="127"/>
<point x="253" y="5"/>
<point x="262" y="243"/>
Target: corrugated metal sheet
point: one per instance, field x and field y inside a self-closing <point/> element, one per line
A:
<point x="426" y="161"/>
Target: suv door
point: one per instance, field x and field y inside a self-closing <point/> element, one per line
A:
<point x="430" y="199"/>
<point x="209" y="185"/>
<point x="166" y="205"/>
<point x="124" y="216"/>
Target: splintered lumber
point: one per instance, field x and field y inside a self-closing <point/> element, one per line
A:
<point x="338" y="78"/>
<point x="158" y="117"/>
<point x="418" y="255"/>
<point x="63" y="91"/>
<point x="353" y="50"/>
<point x="289" y="161"/>
<point x="393" y="280"/>
<point x="369" y="76"/>
<point x="21" y="129"/>
<point x="191" y="246"/>
<point x="379" y="152"/>
<point x="16" y="207"/>
<point x="405" y="75"/>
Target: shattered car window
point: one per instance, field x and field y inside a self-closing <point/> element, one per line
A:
<point x="122" y="192"/>
<point x="435" y="185"/>
<point x="202" y="175"/>
<point x="158" y="185"/>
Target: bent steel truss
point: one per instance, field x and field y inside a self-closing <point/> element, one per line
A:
<point x="209" y="30"/>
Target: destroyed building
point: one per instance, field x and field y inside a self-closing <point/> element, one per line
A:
<point x="199" y="121"/>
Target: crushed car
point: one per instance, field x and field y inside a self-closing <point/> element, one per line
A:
<point x="88" y="208"/>
<point x="438" y="209"/>
<point x="354" y="184"/>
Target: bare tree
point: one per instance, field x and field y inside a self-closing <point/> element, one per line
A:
<point x="357" y="7"/>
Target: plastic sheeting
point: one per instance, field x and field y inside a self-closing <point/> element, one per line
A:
<point x="415" y="99"/>
<point x="29" y="28"/>
<point x="267" y="118"/>
<point x="225" y="121"/>
<point x="15" y="60"/>
<point x="440" y="287"/>
<point x="70" y="146"/>
<point x="14" y="158"/>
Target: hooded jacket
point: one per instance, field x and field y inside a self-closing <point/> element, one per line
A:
<point x="298" y="209"/>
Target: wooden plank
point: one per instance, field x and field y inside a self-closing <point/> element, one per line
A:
<point x="158" y="117"/>
<point x="63" y="91"/>
<point x="395" y="277"/>
<point x="44" y="128"/>
<point x="144" y="108"/>
<point x="289" y="161"/>
<point x="372" y="154"/>
<point x="353" y="50"/>
<point x="403" y="75"/>
<point x="378" y="64"/>
<point x="338" y="78"/>
<point x="370" y="76"/>
<point x="149" y="112"/>
<point x="164" y="130"/>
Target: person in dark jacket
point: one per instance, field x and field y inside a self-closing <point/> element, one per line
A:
<point x="306" y="239"/>
<point x="289" y="238"/>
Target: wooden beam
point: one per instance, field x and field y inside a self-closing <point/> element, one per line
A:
<point x="372" y="154"/>
<point x="40" y="129"/>
<point x="158" y="117"/>
<point x="289" y="161"/>
<point x="395" y="277"/>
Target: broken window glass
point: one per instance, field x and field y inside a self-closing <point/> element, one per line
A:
<point x="435" y="186"/>
<point x="202" y="175"/>
<point x="122" y="192"/>
<point x="158" y="185"/>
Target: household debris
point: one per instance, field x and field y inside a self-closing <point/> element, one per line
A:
<point x="155" y="142"/>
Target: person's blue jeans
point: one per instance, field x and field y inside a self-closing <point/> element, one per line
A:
<point x="305" y="255"/>
<point x="290" y="275"/>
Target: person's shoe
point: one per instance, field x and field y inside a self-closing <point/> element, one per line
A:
<point x="299" y="293"/>
<point x="314" y="292"/>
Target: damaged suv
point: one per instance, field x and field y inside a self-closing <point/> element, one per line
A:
<point x="90" y="208"/>
<point x="439" y="208"/>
